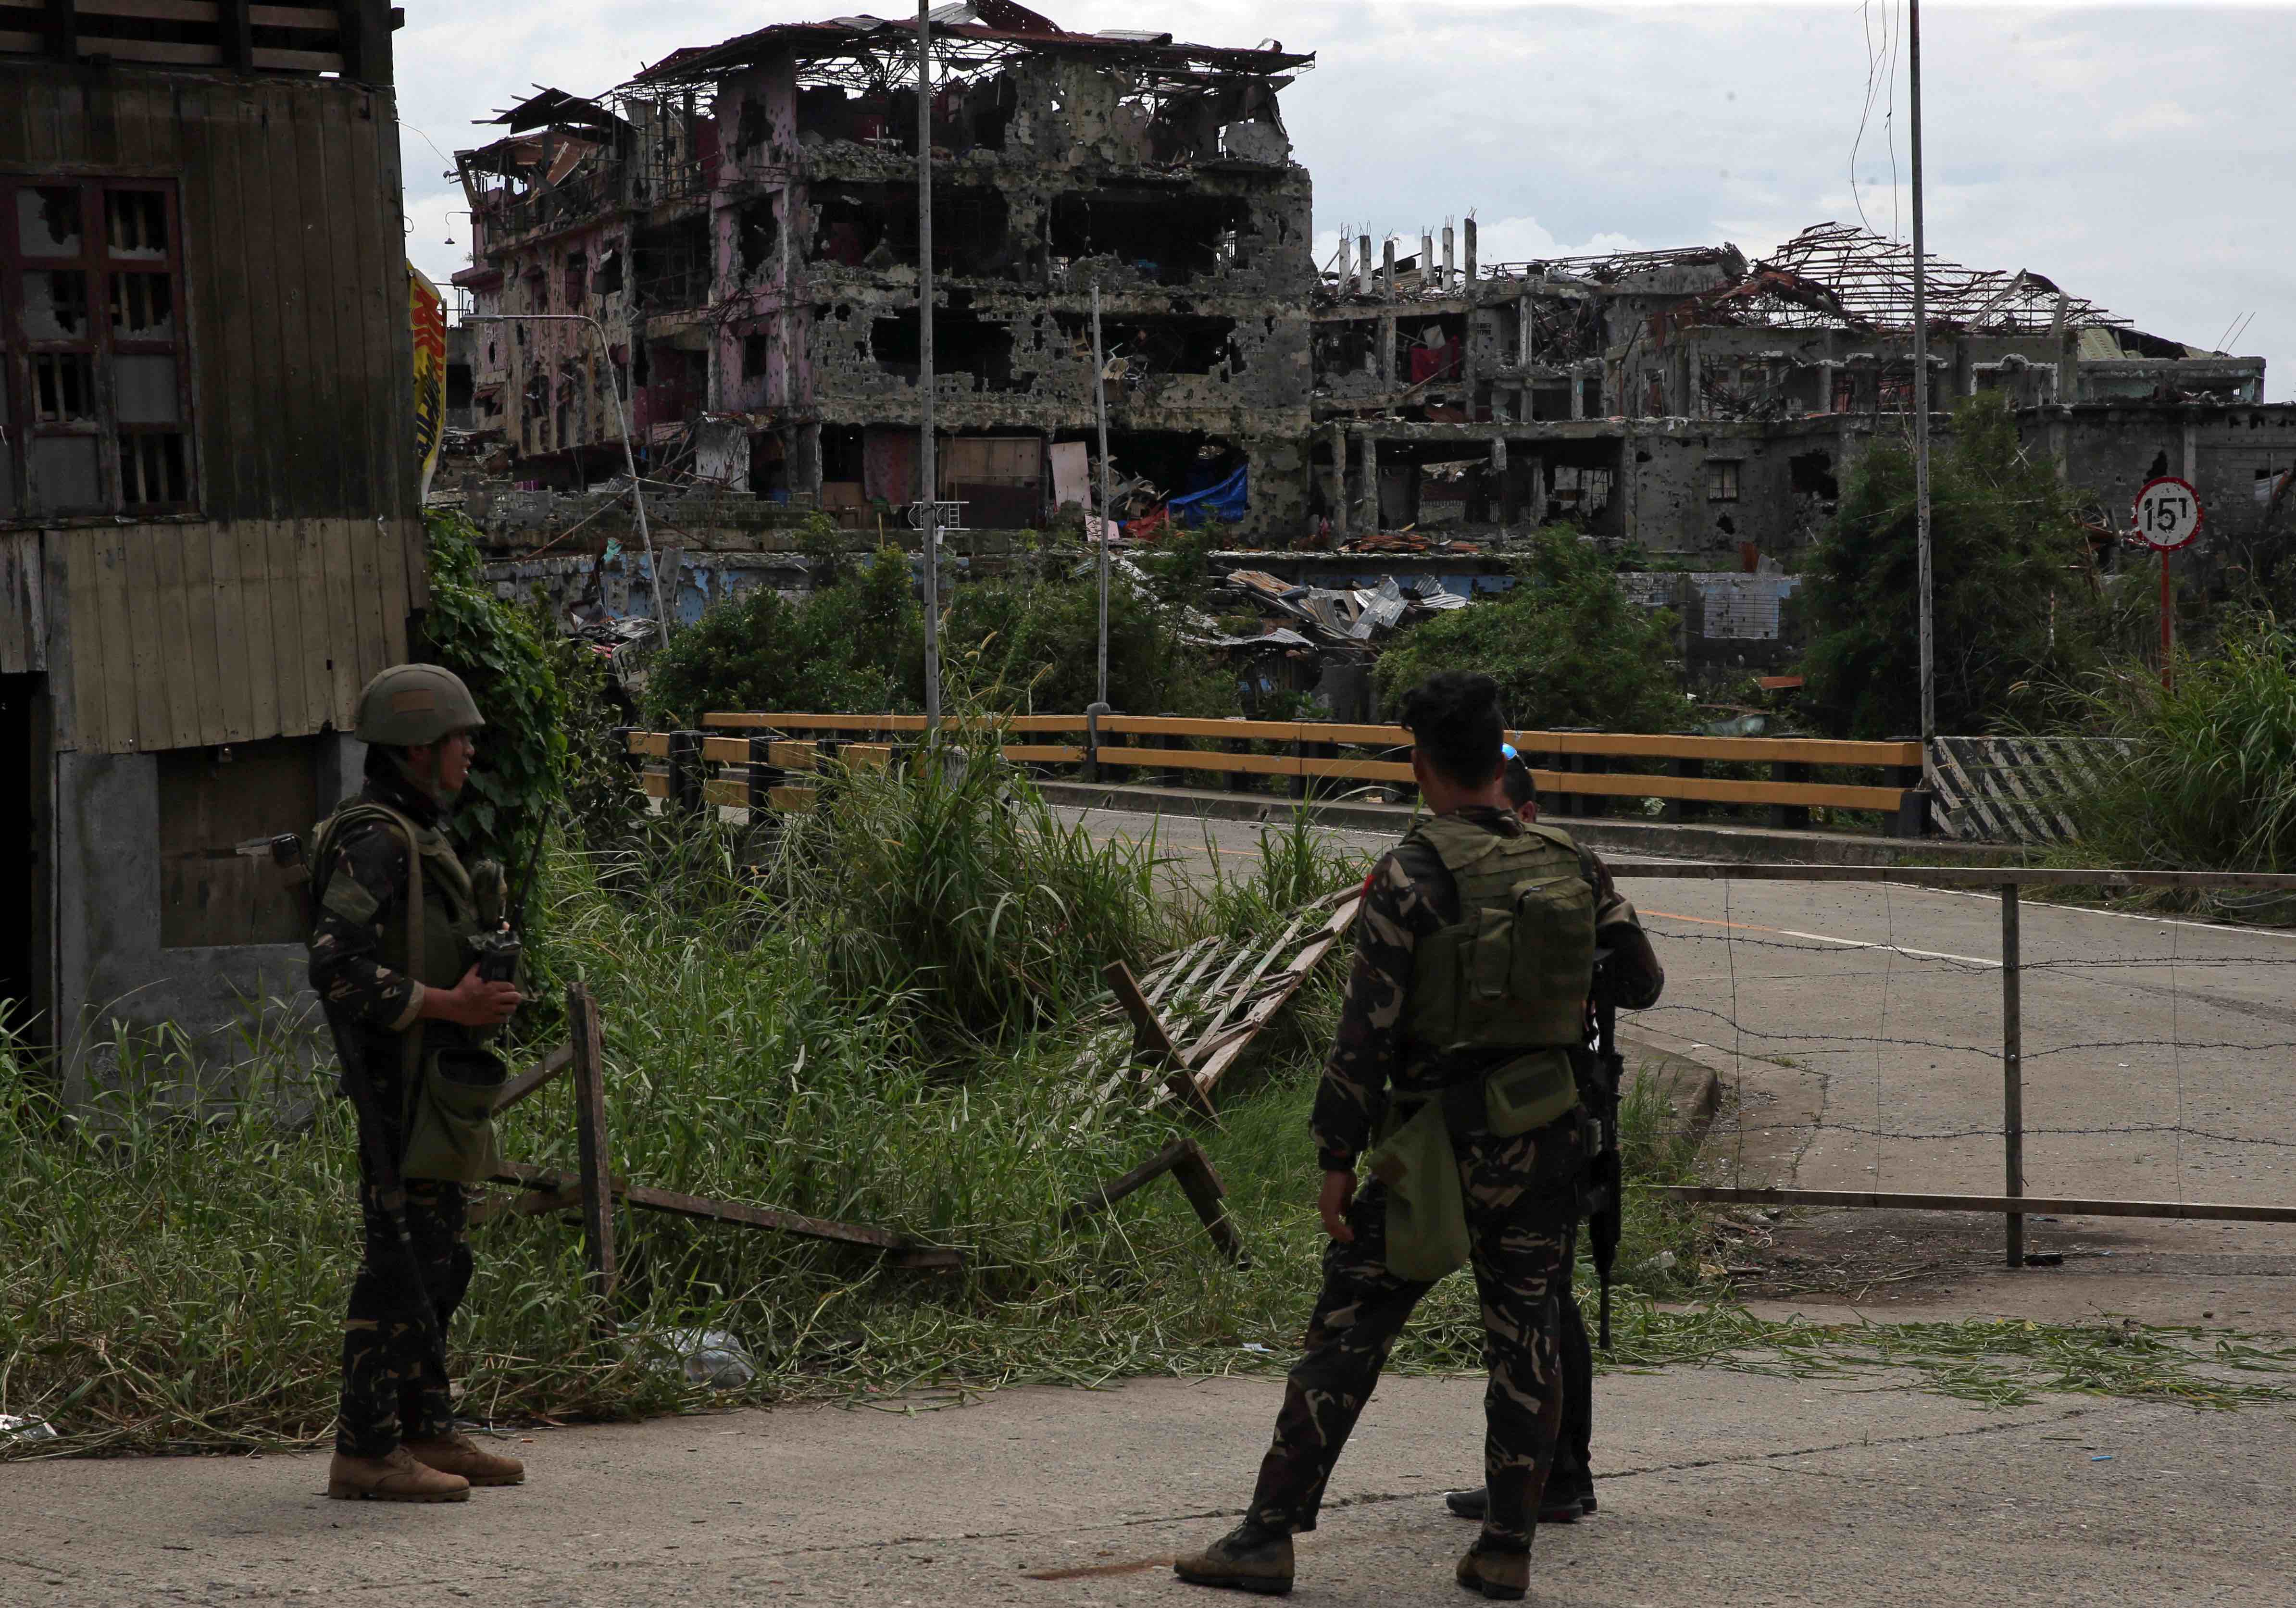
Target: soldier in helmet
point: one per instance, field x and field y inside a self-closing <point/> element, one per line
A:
<point x="1452" y="1076"/>
<point x="393" y="951"/>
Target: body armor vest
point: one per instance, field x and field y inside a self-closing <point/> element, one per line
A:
<point x="1514" y="972"/>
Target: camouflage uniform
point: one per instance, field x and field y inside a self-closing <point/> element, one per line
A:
<point x="392" y="1390"/>
<point x="1521" y="1198"/>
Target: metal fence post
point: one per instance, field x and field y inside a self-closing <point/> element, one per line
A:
<point x="2013" y="1074"/>
<point x="686" y="778"/>
<point x="1092" y="714"/>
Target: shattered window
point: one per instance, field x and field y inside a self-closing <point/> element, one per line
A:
<point x="93" y="365"/>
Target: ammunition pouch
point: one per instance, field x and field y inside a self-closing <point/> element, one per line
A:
<point x="450" y="1128"/>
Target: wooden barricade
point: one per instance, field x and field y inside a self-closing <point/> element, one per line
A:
<point x="593" y="1186"/>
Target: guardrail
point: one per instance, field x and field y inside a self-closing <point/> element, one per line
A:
<point x="1577" y="773"/>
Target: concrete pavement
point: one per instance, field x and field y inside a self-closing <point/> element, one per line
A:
<point x="1718" y="1488"/>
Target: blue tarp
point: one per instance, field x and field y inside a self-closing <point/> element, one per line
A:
<point x="1226" y="501"/>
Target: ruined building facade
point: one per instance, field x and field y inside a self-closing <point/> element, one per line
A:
<point x="1706" y="406"/>
<point x="742" y="221"/>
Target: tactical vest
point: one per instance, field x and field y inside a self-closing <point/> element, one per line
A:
<point x="1514" y="972"/>
<point x="449" y="1078"/>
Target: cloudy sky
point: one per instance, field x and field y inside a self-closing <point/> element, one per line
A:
<point x="2142" y="156"/>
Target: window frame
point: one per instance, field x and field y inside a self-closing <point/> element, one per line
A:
<point x="105" y="273"/>
<point x="1725" y="482"/>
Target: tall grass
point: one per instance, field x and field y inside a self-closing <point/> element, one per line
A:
<point x="876" y="1024"/>
<point x="2209" y="782"/>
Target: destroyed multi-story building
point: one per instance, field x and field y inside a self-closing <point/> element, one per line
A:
<point x="210" y="529"/>
<point x="1703" y="405"/>
<point x="741" y="223"/>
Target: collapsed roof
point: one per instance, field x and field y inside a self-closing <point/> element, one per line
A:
<point x="861" y="52"/>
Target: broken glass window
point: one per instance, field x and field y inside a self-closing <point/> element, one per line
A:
<point x="47" y="220"/>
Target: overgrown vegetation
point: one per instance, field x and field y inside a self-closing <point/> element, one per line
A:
<point x="2208" y="778"/>
<point x="1566" y="646"/>
<point x="856" y="645"/>
<point x="502" y="653"/>
<point x="2016" y="611"/>
<point x="832" y="1039"/>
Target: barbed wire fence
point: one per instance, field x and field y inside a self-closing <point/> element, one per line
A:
<point x="1774" y="996"/>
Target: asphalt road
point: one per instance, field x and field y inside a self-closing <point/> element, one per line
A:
<point x="1718" y="1488"/>
<point x="1857" y="1031"/>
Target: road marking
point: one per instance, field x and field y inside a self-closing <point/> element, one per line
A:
<point x="1823" y="938"/>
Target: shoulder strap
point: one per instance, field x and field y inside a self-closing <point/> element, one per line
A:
<point x="410" y="1047"/>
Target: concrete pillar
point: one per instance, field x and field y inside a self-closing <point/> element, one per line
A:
<point x="1504" y="495"/>
<point x="1387" y="270"/>
<point x="1386" y="339"/>
<point x="2192" y="476"/>
<point x="1538" y="491"/>
<point x="1469" y="229"/>
<point x="1375" y="518"/>
<point x="1363" y="265"/>
<point x="1578" y="394"/>
<point x="1450" y="264"/>
<point x="1336" y="494"/>
<point x="1427" y="262"/>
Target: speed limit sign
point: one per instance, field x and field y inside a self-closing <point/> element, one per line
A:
<point x="2167" y="513"/>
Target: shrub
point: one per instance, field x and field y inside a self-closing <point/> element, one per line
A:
<point x="1034" y="645"/>
<point x="1565" y="645"/>
<point x="856" y="644"/>
<point x="2210" y="780"/>
<point x="2013" y="614"/>
<point x="499" y="651"/>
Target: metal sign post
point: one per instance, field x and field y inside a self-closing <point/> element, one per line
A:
<point x="928" y="482"/>
<point x="1107" y="513"/>
<point x="2169" y="516"/>
<point x="1922" y="413"/>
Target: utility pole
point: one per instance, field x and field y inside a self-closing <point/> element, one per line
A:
<point x="1107" y="513"/>
<point x="928" y="480"/>
<point x="1922" y="408"/>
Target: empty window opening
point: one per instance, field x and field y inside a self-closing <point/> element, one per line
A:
<point x="1177" y="344"/>
<point x="874" y="227"/>
<point x="1170" y="237"/>
<point x="757" y="237"/>
<point x="963" y="343"/>
<point x="610" y="272"/>
<point x="1550" y="400"/>
<point x="577" y="281"/>
<point x="670" y="268"/>
<point x="756" y="354"/>
<point x="751" y="128"/>
<point x="1345" y="349"/>
<point x="1813" y="475"/>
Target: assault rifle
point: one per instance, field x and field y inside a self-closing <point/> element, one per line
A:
<point x="1604" y="1192"/>
<point x="285" y="851"/>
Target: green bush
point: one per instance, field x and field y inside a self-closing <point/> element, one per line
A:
<point x="2014" y="608"/>
<point x="855" y="645"/>
<point x="501" y="651"/>
<point x="2210" y="780"/>
<point x="1566" y="646"/>
<point x="1031" y="646"/>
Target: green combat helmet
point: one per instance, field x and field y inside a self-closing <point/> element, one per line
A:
<point x="410" y="705"/>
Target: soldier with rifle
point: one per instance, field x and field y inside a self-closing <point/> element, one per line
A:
<point x="1627" y="974"/>
<point x="414" y="972"/>
<point x="1452" y="1076"/>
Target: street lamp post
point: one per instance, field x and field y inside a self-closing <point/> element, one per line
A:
<point x="928" y="491"/>
<point x="621" y="422"/>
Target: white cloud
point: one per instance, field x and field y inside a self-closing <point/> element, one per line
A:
<point x="2137" y="157"/>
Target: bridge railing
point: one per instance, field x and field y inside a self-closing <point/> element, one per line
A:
<point x="759" y="759"/>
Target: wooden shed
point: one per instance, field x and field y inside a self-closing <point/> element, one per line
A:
<point x="211" y="533"/>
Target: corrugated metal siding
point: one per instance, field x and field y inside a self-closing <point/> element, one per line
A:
<point x="187" y="635"/>
<point x="265" y="619"/>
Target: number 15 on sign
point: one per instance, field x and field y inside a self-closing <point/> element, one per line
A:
<point x="2169" y="516"/>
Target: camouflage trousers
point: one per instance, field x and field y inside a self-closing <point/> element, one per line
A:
<point x="1520" y="1203"/>
<point x="394" y="1388"/>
